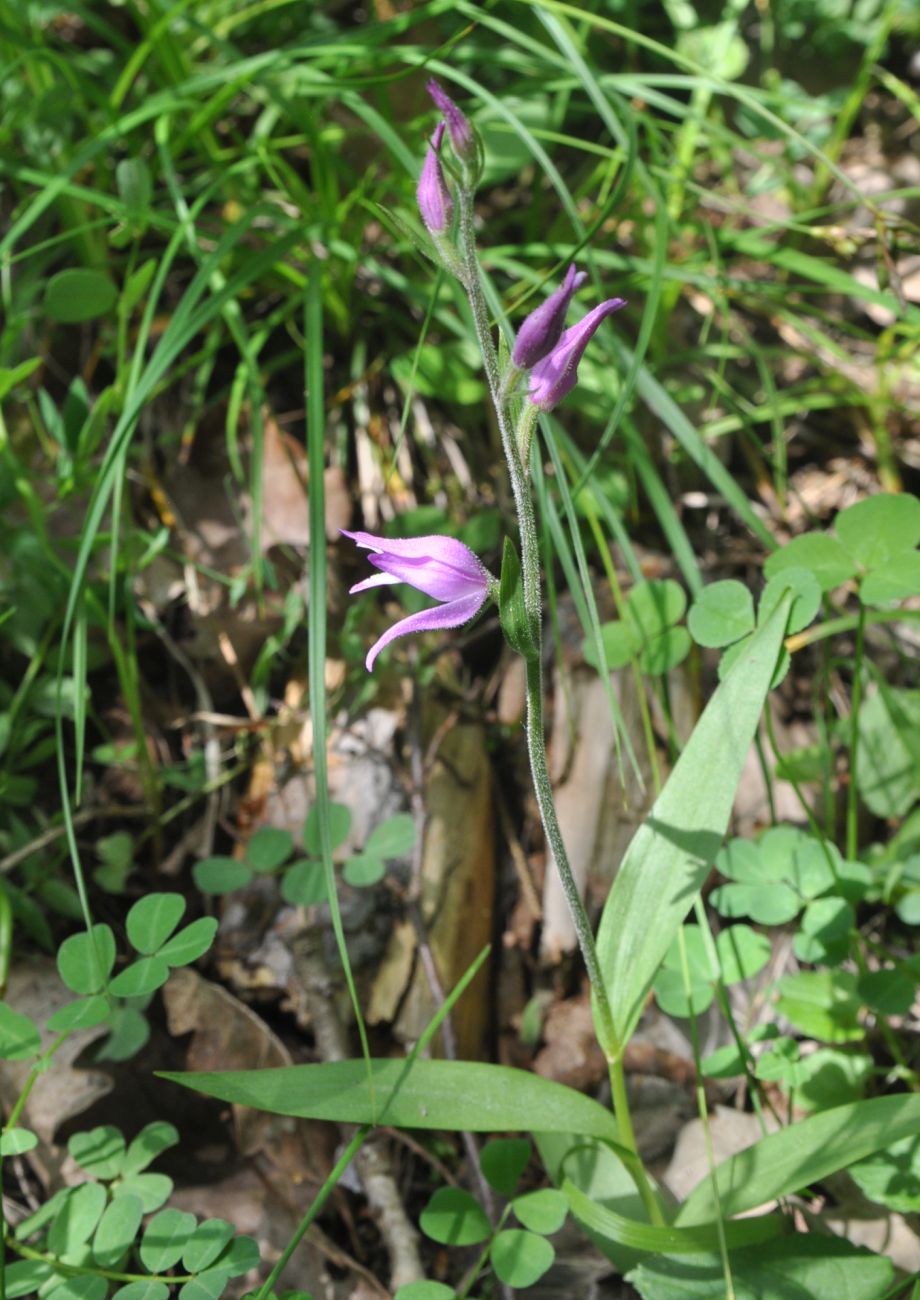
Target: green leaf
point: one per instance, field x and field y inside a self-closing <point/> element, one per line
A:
<point x="455" y="1218"/>
<point x="117" y="854"/>
<point x="76" y="1219"/>
<point x="82" y="1287"/>
<point x="25" y="1276"/>
<point x="722" y="613"/>
<point x="11" y="376"/>
<point x="117" y="1229"/>
<point x="822" y="1004"/>
<point x="875" y="529"/>
<point x="622" y="644"/>
<point x="240" y="1256"/>
<point x="394" y="838"/>
<point x="130" y="1032"/>
<point x="503" y="1160"/>
<point x="16" y="1141"/>
<point x="206" y="1286"/>
<point x="446" y="371"/>
<point x="542" y="1211"/>
<point x="832" y="1077"/>
<point x="85" y="962"/>
<point x="512" y="611"/>
<point x="888" y="756"/>
<point x="890" y="992"/>
<point x="205" y="1244"/>
<point x="645" y="1237"/>
<point x="806" y="597"/>
<point x="822" y="555"/>
<point x="304" y="883"/>
<point x="146" y="1290"/>
<point x="665" y="651"/>
<point x="100" y="1151"/>
<point x="804" y="1153"/>
<point x="425" y="1291"/>
<point x="153" y="1190"/>
<point x="460" y="1096"/>
<point x="768" y="904"/>
<point x="221" y="875"/>
<point x="153" y="1139"/>
<point x="79" y="294"/>
<point x="828" y="919"/>
<point x="140" y="978"/>
<point x="896" y="579"/>
<point x="165" y="1238"/>
<point x="132" y="177"/>
<point x="520" y="1258"/>
<point x="892" y="1177"/>
<point x="672" y="852"/>
<point x="655" y="605"/>
<point x="152" y="920"/>
<point x="339" y="826"/>
<point x="191" y="942"/>
<point x="362" y="870"/>
<point x="801" y="1267"/>
<point x="19" y="1037"/>
<point x="85" y="1013"/>
<point x="269" y="848"/>
<point x="742" y="952"/>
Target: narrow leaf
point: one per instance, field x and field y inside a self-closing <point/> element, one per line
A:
<point x="671" y="854"/>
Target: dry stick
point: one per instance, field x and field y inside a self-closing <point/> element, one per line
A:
<point x="418" y="767"/>
<point x="371" y="1160"/>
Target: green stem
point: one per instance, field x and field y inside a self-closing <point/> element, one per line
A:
<point x="627" y="1139"/>
<point x="513" y="442"/>
<point x="536" y="751"/>
<point x="852" y="788"/>
<point x="318" y="1202"/>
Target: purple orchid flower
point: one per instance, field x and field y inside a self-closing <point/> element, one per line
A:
<point x="435" y="202"/>
<point x="542" y="329"/>
<point x="462" y="140"/>
<point x="441" y="567"/>
<point x="554" y="376"/>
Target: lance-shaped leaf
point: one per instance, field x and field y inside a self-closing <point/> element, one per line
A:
<point x="672" y="852"/>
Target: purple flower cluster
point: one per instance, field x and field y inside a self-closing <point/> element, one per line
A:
<point x="442" y="567"/>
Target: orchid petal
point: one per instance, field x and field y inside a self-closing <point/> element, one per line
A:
<point x="440" y="617"/>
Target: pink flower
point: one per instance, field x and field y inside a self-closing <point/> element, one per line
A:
<point x="462" y="140"/>
<point x="554" y="376"/>
<point x="434" y="198"/>
<point x="540" y="332"/>
<point x="441" y="567"/>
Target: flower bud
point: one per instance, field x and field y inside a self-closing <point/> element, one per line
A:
<point x="542" y="329"/>
<point x="462" y="140"/>
<point x="434" y="198"/>
<point x="554" y="377"/>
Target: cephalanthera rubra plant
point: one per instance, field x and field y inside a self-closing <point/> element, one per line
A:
<point x="590" y="1151"/>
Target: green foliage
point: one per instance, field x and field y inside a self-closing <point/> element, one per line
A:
<point x="302" y="881"/>
<point x="740" y="953"/>
<point x="648" y="631"/>
<point x="802" y="1266"/>
<point x="101" y="1224"/>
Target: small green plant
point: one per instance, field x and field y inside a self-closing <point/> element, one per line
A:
<point x="110" y="1235"/>
<point x="303" y="883"/>
<point x="518" y="1256"/>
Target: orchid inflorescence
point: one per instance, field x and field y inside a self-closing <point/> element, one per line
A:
<point x="548" y="353"/>
<point x="443" y="567"/>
